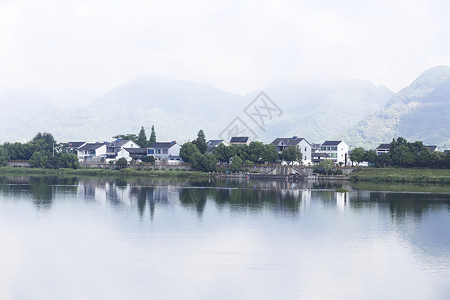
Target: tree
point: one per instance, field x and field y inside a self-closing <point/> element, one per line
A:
<point x="68" y="160"/>
<point x="188" y="151"/>
<point x="222" y="153"/>
<point x="291" y="154"/>
<point x="152" y="136"/>
<point x="236" y="163"/>
<point x="148" y="159"/>
<point x="121" y="163"/>
<point x="39" y="159"/>
<point x="255" y="151"/>
<point x="384" y="159"/>
<point x="206" y="163"/>
<point x="200" y="141"/>
<point x="142" y="138"/>
<point x="357" y="155"/>
<point x="44" y="142"/>
<point x="270" y="154"/>
<point x="326" y="165"/>
<point x="4" y="156"/>
<point x="370" y="156"/>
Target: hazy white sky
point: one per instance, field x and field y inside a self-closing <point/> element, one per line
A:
<point x="234" y="45"/>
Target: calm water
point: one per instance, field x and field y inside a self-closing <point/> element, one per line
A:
<point x="143" y="239"/>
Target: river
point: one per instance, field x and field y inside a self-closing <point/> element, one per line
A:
<point x="114" y="238"/>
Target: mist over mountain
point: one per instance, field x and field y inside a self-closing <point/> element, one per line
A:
<point x="178" y="109"/>
<point x="420" y="111"/>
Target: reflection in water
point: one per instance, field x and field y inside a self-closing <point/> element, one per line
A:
<point x="209" y="236"/>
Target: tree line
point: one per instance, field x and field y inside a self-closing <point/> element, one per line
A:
<point x="41" y="152"/>
<point x="403" y="154"/>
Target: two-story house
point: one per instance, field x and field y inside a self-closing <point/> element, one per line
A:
<point x="92" y="152"/>
<point x="166" y="152"/>
<point x="303" y="145"/>
<point x="113" y="148"/>
<point x="336" y="150"/>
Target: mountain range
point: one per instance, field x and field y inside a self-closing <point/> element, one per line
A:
<point x="353" y="110"/>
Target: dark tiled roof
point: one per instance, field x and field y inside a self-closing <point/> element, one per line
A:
<point x="239" y="139"/>
<point x="318" y="154"/>
<point x="91" y="146"/>
<point x="446" y="151"/>
<point x="213" y="143"/>
<point x="331" y="143"/>
<point x="136" y="151"/>
<point x="76" y="144"/>
<point x="119" y="143"/>
<point x="384" y="147"/>
<point x="288" y="141"/>
<point x="431" y="148"/>
<point x="162" y="145"/>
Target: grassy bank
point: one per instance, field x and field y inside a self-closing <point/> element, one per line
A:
<point x="102" y="172"/>
<point x="402" y="175"/>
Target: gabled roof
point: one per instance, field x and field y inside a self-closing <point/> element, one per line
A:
<point x="91" y="146"/>
<point x="288" y="141"/>
<point x="384" y="147"/>
<point x="162" y="145"/>
<point x="119" y="143"/>
<point x="213" y="143"/>
<point x="136" y="151"/>
<point x="239" y="139"/>
<point x="331" y="143"/>
<point x="431" y="148"/>
<point x="75" y="144"/>
<point x="446" y="151"/>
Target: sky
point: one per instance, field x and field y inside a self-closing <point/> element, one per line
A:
<point x="238" y="46"/>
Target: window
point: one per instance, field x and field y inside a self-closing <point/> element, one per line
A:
<point x="333" y="148"/>
<point x="333" y="155"/>
<point x="158" y="151"/>
<point x="305" y="157"/>
<point x="305" y="149"/>
<point x="150" y="151"/>
<point x="165" y="151"/>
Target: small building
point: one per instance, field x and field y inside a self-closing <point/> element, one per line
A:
<point x="131" y="154"/>
<point x="337" y="150"/>
<point x="383" y="148"/>
<point x="305" y="147"/>
<point x="162" y="151"/>
<point x="92" y="152"/>
<point x="114" y="147"/>
<point x="240" y="140"/>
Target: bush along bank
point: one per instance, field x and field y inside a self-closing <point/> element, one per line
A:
<point x="402" y="175"/>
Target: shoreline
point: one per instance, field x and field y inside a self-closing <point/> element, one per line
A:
<point x="401" y="175"/>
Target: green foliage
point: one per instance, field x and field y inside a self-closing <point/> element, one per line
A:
<point x="357" y="155"/>
<point x="4" y="156"/>
<point x="200" y="142"/>
<point x="142" y="138"/>
<point x="236" y="163"/>
<point x="384" y="160"/>
<point x="291" y="154"/>
<point x="326" y="164"/>
<point x="148" y="159"/>
<point x="152" y="138"/>
<point x="189" y="151"/>
<point x="121" y="163"/>
<point x="68" y="160"/>
<point x="222" y="153"/>
<point x="270" y="154"/>
<point x="39" y="159"/>
<point x="370" y="156"/>
<point x="255" y="151"/>
<point x="205" y="163"/>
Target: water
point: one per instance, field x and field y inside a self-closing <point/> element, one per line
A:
<point x="71" y="238"/>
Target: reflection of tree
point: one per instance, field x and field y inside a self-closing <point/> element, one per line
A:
<point x="194" y="197"/>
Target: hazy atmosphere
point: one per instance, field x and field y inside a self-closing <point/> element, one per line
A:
<point x="237" y="46"/>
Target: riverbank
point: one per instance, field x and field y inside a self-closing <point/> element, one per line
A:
<point x="402" y="175"/>
<point x="103" y="172"/>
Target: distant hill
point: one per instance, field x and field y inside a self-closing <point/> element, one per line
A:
<point x="178" y="109"/>
<point x="420" y="111"/>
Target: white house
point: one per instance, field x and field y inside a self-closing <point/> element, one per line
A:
<point x="131" y="154"/>
<point x="383" y="148"/>
<point x="337" y="150"/>
<point x="165" y="151"/>
<point x="115" y="147"/>
<point x="240" y="140"/>
<point x="92" y="152"/>
<point x="213" y="144"/>
<point x="304" y="146"/>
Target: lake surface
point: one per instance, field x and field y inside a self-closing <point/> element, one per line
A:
<point x="87" y="238"/>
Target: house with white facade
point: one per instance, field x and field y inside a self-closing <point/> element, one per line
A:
<point x="72" y="147"/>
<point x="165" y="151"/>
<point x="113" y="148"/>
<point x="304" y="146"/>
<point x="240" y="140"/>
<point x="213" y="144"/>
<point x="92" y="152"/>
<point x="131" y="154"/>
<point x="383" y="148"/>
<point x="337" y="150"/>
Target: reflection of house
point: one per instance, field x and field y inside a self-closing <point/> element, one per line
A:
<point x="284" y="143"/>
<point x="383" y="148"/>
<point x="92" y="152"/>
<point x="337" y="150"/>
<point x="165" y="151"/>
<point x="240" y="140"/>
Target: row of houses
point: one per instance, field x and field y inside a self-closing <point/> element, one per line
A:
<point x="168" y="152"/>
